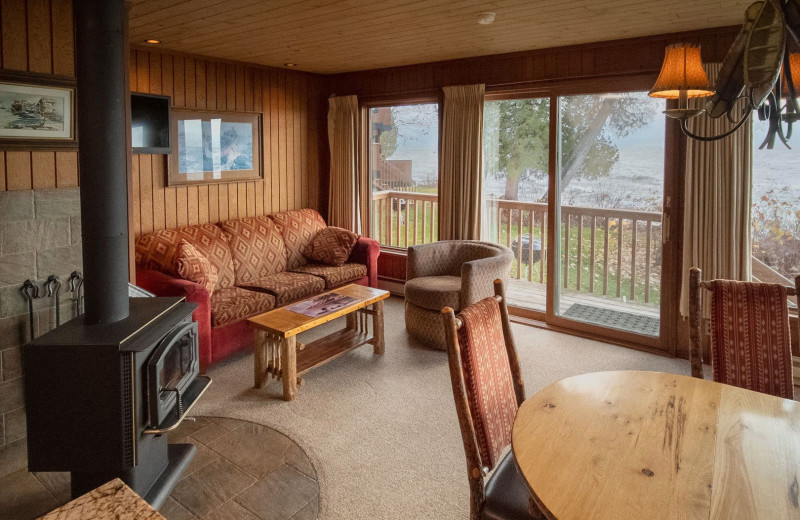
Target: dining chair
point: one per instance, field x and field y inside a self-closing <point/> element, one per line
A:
<point x="750" y="339"/>
<point x="488" y="390"/>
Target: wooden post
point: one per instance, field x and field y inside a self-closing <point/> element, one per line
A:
<point x="378" y="340"/>
<point x="350" y="321"/>
<point x="260" y="355"/>
<point x="289" y="367"/>
<point x="696" y="322"/>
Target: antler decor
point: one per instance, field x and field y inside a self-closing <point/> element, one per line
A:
<point x="750" y="78"/>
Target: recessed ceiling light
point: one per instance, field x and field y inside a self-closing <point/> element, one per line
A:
<point x="152" y="41"/>
<point x="290" y="65"/>
<point x="485" y="18"/>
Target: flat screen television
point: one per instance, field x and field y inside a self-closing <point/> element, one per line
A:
<point x="149" y="124"/>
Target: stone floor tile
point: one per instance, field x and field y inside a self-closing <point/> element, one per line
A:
<point x="172" y="510"/>
<point x="13" y="457"/>
<point x="210" y="487"/>
<point x="310" y="512"/>
<point x="202" y="458"/>
<point x="23" y="497"/>
<point x="280" y="495"/>
<point x="57" y="483"/>
<point x="187" y="428"/>
<point x="231" y="511"/>
<point x="228" y="424"/>
<point x="254" y="448"/>
<point x="297" y="458"/>
<point x="209" y="433"/>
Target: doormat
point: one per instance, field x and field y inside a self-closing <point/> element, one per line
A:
<point x="614" y="319"/>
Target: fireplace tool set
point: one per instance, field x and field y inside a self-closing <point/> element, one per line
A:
<point x="52" y="289"/>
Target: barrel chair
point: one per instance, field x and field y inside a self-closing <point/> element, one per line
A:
<point x="449" y="273"/>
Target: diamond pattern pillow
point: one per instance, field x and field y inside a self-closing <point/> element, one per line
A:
<point x="297" y="228"/>
<point x="157" y="251"/>
<point x="331" y="246"/>
<point x="191" y="265"/>
<point x="257" y="247"/>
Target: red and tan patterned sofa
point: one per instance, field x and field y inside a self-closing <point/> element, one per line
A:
<point x="260" y="266"/>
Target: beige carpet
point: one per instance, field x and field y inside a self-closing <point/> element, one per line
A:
<point x="382" y="430"/>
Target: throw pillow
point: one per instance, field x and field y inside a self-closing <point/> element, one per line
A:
<point x="331" y="246"/>
<point x="193" y="266"/>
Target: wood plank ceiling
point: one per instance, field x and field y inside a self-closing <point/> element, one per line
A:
<point x="333" y="36"/>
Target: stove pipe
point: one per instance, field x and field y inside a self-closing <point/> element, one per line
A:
<point x="100" y="69"/>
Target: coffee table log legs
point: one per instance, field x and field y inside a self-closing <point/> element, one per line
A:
<point x="260" y="362"/>
<point x="378" y="342"/>
<point x="289" y="367"/>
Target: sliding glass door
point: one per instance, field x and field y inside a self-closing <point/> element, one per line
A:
<point x="608" y="200"/>
<point x="515" y="164"/>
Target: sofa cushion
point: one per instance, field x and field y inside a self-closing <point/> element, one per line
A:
<point x="331" y="246"/>
<point x="257" y="248"/>
<point x="434" y="292"/>
<point x="193" y="266"/>
<point x="236" y="304"/>
<point x="334" y="276"/>
<point x="157" y="251"/>
<point x="297" y="228"/>
<point x="289" y="287"/>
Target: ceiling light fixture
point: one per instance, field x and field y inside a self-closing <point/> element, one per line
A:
<point x="485" y="18"/>
<point x="290" y="65"/>
<point x="757" y="75"/>
<point x="152" y="41"/>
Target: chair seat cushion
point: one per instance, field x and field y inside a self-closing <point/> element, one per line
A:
<point x="435" y="292"/>
<point x="289" y="287"/>
<point x="507" y="493"/>
<point x="234" y="304"/>
<point x="334" y="276"/>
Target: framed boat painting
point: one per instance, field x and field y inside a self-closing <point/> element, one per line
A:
<point x="36" y="111"/>
<point x="211" y="146"/>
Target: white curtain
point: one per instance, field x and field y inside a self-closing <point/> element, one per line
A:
<point x="344" y="200"/>
<point x="718" y="192"/>
<point x="460" y="163"/>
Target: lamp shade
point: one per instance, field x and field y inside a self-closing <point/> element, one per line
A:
<point x="682" y="71"/>
<point x="794" y="65"/>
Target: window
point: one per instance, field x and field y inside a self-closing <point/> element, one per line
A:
<point x="404" y="173"/>
<point x="776" y="210"/>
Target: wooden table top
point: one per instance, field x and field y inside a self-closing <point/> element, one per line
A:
<point x="113" y="499"/>
<point x="628" y="445"/>
<point x="285" y="323"/>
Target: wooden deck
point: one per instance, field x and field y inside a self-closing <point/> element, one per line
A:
<point x="533" y="295"/>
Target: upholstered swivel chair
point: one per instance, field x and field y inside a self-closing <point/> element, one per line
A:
<point x="449" y="273"/>
<point x="488" y="390"/>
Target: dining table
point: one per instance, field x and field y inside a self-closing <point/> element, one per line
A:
<point x="649" y="445"/>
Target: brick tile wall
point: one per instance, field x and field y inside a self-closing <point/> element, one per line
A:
<point x="39" y="236"/>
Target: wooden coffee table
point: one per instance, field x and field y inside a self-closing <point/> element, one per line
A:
<point x="277" y="351"/>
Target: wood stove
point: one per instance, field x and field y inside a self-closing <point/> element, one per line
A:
<point x="101" y="398"/>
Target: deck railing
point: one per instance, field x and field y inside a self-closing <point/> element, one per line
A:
<point x="404" y="218"/>
<point x="609" y="252"/>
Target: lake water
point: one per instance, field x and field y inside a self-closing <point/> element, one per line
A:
<point x="636" y="180"/>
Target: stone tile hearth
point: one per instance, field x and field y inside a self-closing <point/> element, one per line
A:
<point x="242" y="471"/>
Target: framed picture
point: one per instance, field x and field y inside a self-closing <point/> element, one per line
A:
<point x="213" y="146"/>
<point x="37" y="111"/>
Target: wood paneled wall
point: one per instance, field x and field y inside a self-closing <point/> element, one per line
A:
<point x="292" y="147"/>
<point x="539" y="68"/>
<point x="36" y="36"/>
<point x="392" y="266"/>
